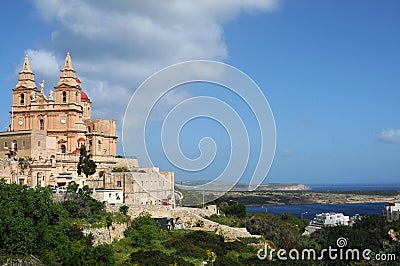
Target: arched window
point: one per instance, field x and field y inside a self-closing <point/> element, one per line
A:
<point x="52" y="160"/>
<point x="22" y="99"/>
<point x="38" y="179"/>
<point x="41" y="124"/>
<point x="63" y="149"/>
<point x="14" y="145"/>
<point x="64" y="96"/>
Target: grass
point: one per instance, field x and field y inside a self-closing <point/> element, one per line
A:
<point x="231" y="221"/>
<point x="123" y="248"/>
<point x="235" y="251"/>
<point x="99" y="221"/>
<point x="250" y="240"/>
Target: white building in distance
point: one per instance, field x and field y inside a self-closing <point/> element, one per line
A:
<point x="331" y="219"/>
<point x="391" y="212"/>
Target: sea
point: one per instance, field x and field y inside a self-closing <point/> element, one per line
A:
<point x="355" y="187"/>
<point x="308" y="211"/>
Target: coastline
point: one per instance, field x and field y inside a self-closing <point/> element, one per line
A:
<point x="281" y="198"/>
<point x="318" y="203"/>
<point x="309" y="211"/>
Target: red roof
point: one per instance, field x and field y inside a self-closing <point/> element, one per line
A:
<point x="77" y="151"/>
<point x="78" y="80"/>
<point x="81" y="139"/>
<point x="84" y="97"/>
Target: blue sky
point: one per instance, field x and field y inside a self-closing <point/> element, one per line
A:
<point x="329" y="69"/>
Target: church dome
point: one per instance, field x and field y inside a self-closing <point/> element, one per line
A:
<point x="84" y="97"/>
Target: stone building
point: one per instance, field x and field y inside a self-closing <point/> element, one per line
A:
<point x="41" y="145"/>
<point x="391" y="212"/>
<point x="142" y="186"/>
<point x="331" y="219"/>
<point x="46" y="131"/>
<point x="65" y="114"/>
<point x="112" y="196"/>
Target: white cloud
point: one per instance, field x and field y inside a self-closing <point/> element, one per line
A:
<point x="115" y="45"/>
<point x="390" y="135"/>
<point x="44" y="65"/>
<point x="43" y="62"/>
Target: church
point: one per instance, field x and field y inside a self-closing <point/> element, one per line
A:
<point x="41" y="145"/>
<point x="46" y="131"/>
<point x="64" y="114"/>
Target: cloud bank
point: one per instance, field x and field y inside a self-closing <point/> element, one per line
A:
<point x="389" y="136"/>
<point x="116" y="45"/>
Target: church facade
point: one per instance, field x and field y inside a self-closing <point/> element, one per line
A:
<point x="65" y="114"/>
<point x="41" y="145"/>
<point x="46" y="131"/>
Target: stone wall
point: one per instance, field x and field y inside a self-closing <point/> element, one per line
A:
<point x="105" y="235"/>
<point x="187" y="218"/>
<point x="142" y="187"/>
<point x="127" y="162"/>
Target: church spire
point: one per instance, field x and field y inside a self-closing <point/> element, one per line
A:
<point x="27" y="66"/>
<point x="68" y="62"/>
<point x="67" y="73"/>
<point x="26" y="77"/>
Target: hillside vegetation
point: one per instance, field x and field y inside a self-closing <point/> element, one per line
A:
<point x="35" y="230"/>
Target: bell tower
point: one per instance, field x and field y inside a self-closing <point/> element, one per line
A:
<point x="68" y="89"/>
<point x="24" y="94"/>
<point x="67" y="123"/>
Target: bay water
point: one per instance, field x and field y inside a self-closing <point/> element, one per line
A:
<point x="308" y="211"/>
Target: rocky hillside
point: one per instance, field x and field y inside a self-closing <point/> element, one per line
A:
<point x="274" y="186"/>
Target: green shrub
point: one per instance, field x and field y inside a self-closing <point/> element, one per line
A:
<point x="32" y="226"/>
<point x="233" y="209"/>
<point x="155" y="257"/>
<point x="200" y="223"/>
<point x="143" y="231"/>
<point x="195" y="244"/>
<point x="120" y="169"/>
<point x="124" y="209"/>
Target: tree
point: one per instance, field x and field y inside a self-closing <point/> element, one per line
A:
<point x="124" y="209"/>
<point x="281" y="231"/>
<point x="233" y="209"/>
<point x="24" y="163"/>
<point x="30" y="222"/>
<point x="86" y="165"/>
<point x="35" y="230"/>
<point x="198" y="244"/>
<point x="143" y="231"/>
<point x="120" y="169"/>
<point x="80" y="204"/>
<point x="109" y="224"/>
<point x="155" y="257"/>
